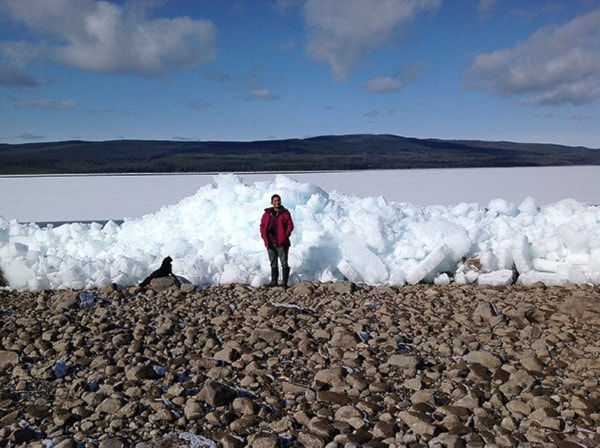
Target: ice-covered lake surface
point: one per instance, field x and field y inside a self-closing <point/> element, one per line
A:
<point x="400" y="226"/>
<point x="104" y="197"/>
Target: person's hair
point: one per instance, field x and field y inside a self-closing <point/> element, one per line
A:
<point x="275" y="196"/>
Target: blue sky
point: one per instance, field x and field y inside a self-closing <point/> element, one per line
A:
<point x="526" y="71"/>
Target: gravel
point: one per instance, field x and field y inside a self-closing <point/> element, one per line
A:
<point x="316" y="365"/>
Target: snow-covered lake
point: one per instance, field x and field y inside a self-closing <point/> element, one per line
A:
<point x="440" y="226"/>
<point x="86" y="198"/>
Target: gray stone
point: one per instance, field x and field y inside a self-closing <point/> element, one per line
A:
<point x="485" y="358"/>
<point x="8" y="358"/>
<point x="217" y="394"/>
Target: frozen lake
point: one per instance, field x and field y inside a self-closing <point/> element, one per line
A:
<point x="104" y="197"/>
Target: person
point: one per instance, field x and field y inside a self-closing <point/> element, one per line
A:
<point x="276" y="226"/>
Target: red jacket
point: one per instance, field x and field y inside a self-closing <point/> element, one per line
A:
<point x="285" y="226"/>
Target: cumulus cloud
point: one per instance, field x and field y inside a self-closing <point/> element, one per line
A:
<point x="261" y="94"/>
<point x="387" y="84"/>
<point x="107" y="37"/>
<point x="343" y="32"/>
<point x="555" y="66"/>
<point x="47" y="104"/>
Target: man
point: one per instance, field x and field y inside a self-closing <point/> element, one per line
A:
<point x="276" y="226"/>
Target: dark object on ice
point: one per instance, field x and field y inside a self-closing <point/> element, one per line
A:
<point x="3" y="281"/>
<point x="165" y="270"/>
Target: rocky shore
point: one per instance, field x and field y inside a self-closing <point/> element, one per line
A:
<point x="316" y="365"/>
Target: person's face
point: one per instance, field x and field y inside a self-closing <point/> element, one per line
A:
<point x="276" y="202"/>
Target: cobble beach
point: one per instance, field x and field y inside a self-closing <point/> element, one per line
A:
<point x="316" y="365"/>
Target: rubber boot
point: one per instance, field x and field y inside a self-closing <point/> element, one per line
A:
<point x="274" y="277"/>
<point x="285" y="277"/>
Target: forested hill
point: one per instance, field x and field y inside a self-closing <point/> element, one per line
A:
<point x="346" y="152"/>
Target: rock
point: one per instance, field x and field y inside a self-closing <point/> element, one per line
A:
<point x="485" y="358"/>
<point x="332" y="377"/>
<point x="65" y="301"/>
<point x="66" y="443"/>
<point x="305" y="289"/>
<point x="8" y="358"/>
<point x="188" y="287"/>
<point x="406" y="362"/>
<point x="141" y="372"/>
<point x="163" y="283"/>
<point x="421" y="366"/>
<point x="518" y="408"/>
<point x="217" y="394"/>
<point x="344" y="339"/>
<point x="485" y="311"/>
<point x="112" y="443"/>
<point x="328" y="396"/>
<point x="532" y="363"/>
<point x="110" y="405"/>
<point x="342" y="287"/>
<point x="321" y="427"/>
<point x="418" y="422"/>
<point x="351" y="415"/>
<point x="309" y="440"/>
<point x="23" y="435"/>
<point x="245" y="406"/>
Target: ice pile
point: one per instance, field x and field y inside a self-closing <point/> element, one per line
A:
<point x="213" y="238"/>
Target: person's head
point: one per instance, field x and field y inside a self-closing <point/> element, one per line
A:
<point x="276" y="201"/>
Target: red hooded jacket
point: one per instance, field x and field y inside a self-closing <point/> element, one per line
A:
<point x="285" y="226"/>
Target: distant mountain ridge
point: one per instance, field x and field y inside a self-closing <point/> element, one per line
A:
<point x="322" y="153"/>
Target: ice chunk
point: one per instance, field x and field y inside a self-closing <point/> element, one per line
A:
<point x="573" y="238"/>
<point x="429" y="265"/>
<point x="520" y="253"/>
<point x="365" y="265"/>
<point x="348" y="271"/>
<point x="502" y="207"/>
<point x="496" y="278"/>
<point x="578" y="258"/>
<point x="595" y="260"/>
<point x="544" y="265"/>
<point x="548" y="279"/>
<point x="528" y="206"/>
<point x="442" y="279"/>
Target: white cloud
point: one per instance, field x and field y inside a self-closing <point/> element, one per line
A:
<point x="261" y="94"/>
<point x="384" y="84"/>
<point x="107" y="37"/>
<point x="556" y="65"/>
<point x="343" y="32"/>
<point x="47" y="104"/>
<point x="387" y="84"/>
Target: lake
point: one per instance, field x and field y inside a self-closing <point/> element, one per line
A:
<point x="104" y="197"/>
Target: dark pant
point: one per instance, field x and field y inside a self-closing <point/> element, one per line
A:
<point x="278" y="252"/>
